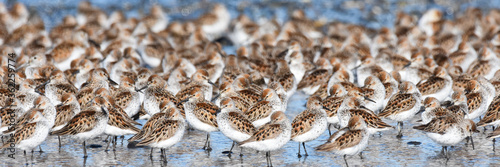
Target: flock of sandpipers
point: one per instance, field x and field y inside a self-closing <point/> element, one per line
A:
<point x="95" y="74"/>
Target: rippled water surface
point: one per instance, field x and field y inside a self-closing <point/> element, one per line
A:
<point x="414" y="149"/>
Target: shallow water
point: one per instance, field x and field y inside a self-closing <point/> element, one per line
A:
<point x="414" y="149"/>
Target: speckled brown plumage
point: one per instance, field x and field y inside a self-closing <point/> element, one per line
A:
<point x="479" y="68"/>
<point x="302" y="123"/>
<point x="268" y="131"/>
<point x="397" y="104"/>
<point x="388" y="90"/>
<point x="82" y="122"/>
<point x="492" y="115"/>
<point x="249" y="96"/>
<point x="332" y="104"/>
<point x="438" y="125"/>
<point x="259" y="110"/>
<point x="64" y="114"/>
<point x="207" y="113"/>
<point x="148" y="126"/>
<point x="164" y="130"/>
<point x="474" y="101"/>
<point x="371" y="119"/>
<point x="431" y="85"/>
<point x="85" y="95"/>
<point x="348" y="139"/>
<point x="317" y="77"/>
<point x="241" y="123"/>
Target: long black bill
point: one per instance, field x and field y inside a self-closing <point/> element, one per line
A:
<point x="407" y="65"/>
<point x="371" y="100"/>
<point x="140" y="90"/>
<point x="215" y="98"/>
<point x="112" y="82"/>
<point x="211" y="83"/>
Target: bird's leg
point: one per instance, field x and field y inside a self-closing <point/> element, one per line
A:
<point x="232" y="146"/>
<point x="346" y="164"/>
<point x="472" y="142"/>
<point x="241" y="152"/>
<point x="269" y="155"/>
<point x="114" y="145"/>
<point x="298" y="154"/>
<point x="494" y="144"/>
<point x="59" y="138"/>
<point x="361" y="154"/>
<point x="107" y="144"/>
<point x="151" y="154"/>
<point x="329" y="132"/>
<point x="400" y="129"/>
<point x="40" y="147"/>
<point x="304" y="145"/>
<point x="206" y="142"/>
<point x="84" y="150"/>
<point x="209" y="148"/>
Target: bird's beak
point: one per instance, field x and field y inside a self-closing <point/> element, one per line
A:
<point x="363" y="107"/>
<point x="140" y="90"/>
<point x="215" y="98"/>
<point x="112" y="82"/>
<point x="358" y="66"/>
<point x="407" y="65"/>
<point x="211" y="83"/>
<point x="422" y="109"/>
<point x="371" y="100"/>
<point x="75" y="72"/>
<point x="185" y="100"/>
<point x="326" y="108"/>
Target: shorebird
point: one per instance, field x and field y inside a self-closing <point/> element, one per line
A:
<point x="374" y="89"/>
<point x="351" y="106"/>
<point x="432" y="110"/>
<point x="31" y="134"/>
<point x="438" y="86"/>
<point x="459" y="104"/>
<point x="448" y="130"/>
<point x="155" y="93"/>
<point x="200" y="79"/>
<point x="310" y="123"/>
<point x="127" y="97"/>
<point x="390" y="85"/>
<point x="202" y="115"/>
<point x="155" y="119"/>
<point x="233" y="123"/>
<point x="57" y="86"/>
<point x="311" y="82"/>
<point x="27" y="94"/>
<point x="332" y="104"/>
<point x="286" y="78"/>
<point x="88" y="124"/>
<point x="403" y="105"/>
<point x="68" y="108"/>
<point x="271" y="136"/>
<point x="227" y="91"/>
<point x="214" y="23"/>
<point x="167" y="132"/>
<point x="260" y="113"/>
<point x="350" y="140"/>
<point x="476" y="99"/>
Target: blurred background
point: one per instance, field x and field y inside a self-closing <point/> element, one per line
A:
<point x="370" y="13"/>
